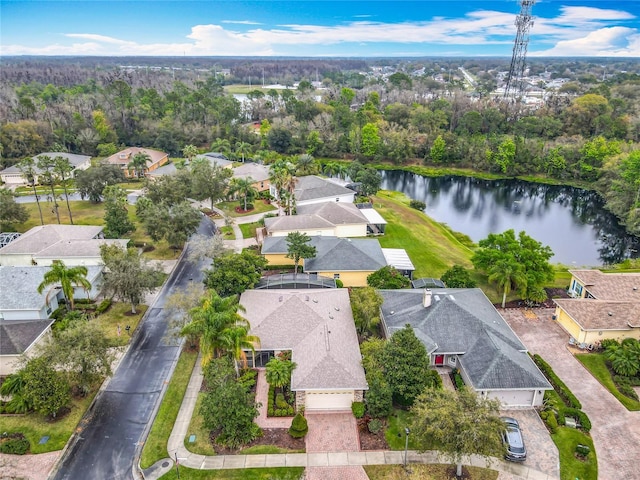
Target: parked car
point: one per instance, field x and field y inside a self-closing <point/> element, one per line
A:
<point x="513" y="441"/>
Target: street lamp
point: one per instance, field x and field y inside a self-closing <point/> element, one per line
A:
<point x="406" y="445"/>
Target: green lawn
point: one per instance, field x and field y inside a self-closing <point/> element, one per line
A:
<point x="155" y="448"/>
<point x="119" y="314"/>
<point x="227" y="233"/>
<point x="249" y="229"/>
<point x="596" y="364"/>
<point x="566" y="439"/>
<point x="35" y="426"/>
<point x="201" y="446"/>
<point x="425" y="472"/>
<point x="267" y="450"/>
<point x="394" y="433"/>
<point x="83" y="212"/>
<point x="258" y="207"/>
<point x="282" y="473"/>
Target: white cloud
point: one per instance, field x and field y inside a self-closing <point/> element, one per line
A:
<point x="605" y="42"/>
<point x="241" y="22"/>
<point x="99" y="38"/>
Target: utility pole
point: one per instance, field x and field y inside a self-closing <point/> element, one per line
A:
<point x="524" y="22"/>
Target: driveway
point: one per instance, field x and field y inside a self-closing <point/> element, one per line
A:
<point x="615" y="430"/>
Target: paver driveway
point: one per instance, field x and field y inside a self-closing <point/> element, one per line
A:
<point x="615" y="430"/>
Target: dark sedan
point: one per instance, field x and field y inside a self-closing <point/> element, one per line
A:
<point x="513" y="441"/>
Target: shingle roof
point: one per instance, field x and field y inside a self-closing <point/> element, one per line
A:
<point x="125" y="156"/>
<point x="593" y="314"/>
<point x="73" y="158"/>
<point x="464" y="322"/>
<point x="619" y="287"/>
<point x="317" y="215"/>
<point x="312" y="187"/>
<point x="317" y="325"/>
<point x="257" y="172"/>
<point x="17" y="336"/>
<point x="216" y="158"/>
<point x="39" y="238"/>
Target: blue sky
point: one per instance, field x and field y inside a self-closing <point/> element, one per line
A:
<point x="316" y="28"/>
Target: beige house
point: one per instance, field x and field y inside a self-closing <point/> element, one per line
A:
<point x="13" y="176"/>
<point x="259" y="175"/>
<point x="604" y="305"/>
<point x="124" y="157"/>
<point x="317" y="326"/>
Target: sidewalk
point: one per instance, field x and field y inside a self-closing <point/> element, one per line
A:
<point x="177" y="450"/>
<point x="239" y="243"/>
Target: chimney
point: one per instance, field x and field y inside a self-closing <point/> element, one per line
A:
<point x="426" y="298"/>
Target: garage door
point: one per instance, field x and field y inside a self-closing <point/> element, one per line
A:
<point x="328" y="400"/>
<point x="513" y="398"/>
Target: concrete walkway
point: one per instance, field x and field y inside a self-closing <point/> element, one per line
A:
<point x="177" y="450"/>
<point x="239" y="243"/>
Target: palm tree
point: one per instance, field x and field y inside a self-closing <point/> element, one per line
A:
<point x="306" y="165"/>
<point x="190" y="151"/>
<point x="221" y="145"/>
<point x="507" y="273"/>
<point x="238" y="341"/>
<point x="67" y="278"/>
<point x="243" y="148"/>
<point x="244" y="188"/>
<point x="46" y="164"/>
<point x="28" y="169"/>
<point x="278" y="372"/>
<point x="139" y="164"/>
<point x="211" y="322"/>
<point x="63" y="168"/>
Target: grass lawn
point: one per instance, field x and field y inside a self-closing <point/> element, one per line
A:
<point x="35" y="426"/>
<point x="83" y="212"/>
<point x="155" y="448"/>
<point x="249" y="229"/>
<point x="425" y="472"/>
<point x="596" y="364"/>
<point x="119" y="314"/>
<point x="281" y="473"/>
<point x="201" y="446"/>
<point x="227" y="233"/>
<point x="394" y="433"/>
<point x="566" y="439"/>
<point x="432" y="247"/>
<point x="258" y="207"/>
<point x="266" y="450"/>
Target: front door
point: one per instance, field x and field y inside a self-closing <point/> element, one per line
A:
<point x="439" y="360"/>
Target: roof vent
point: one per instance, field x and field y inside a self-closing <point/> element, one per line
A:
<point x="635" y="288"/>
<point x="610" y="314"/>
<point x="280" y="299"/>
<point x="315" y="300"/>
<point x="391" y="312"/>
<point x="337" y="309"/>
<point x="306" y="298"/>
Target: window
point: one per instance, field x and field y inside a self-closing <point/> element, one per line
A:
<point x="336" y="276"/>
<point x="577" y="288"/>
<point x="452" y="360"/>
<point x="337" y="199"/>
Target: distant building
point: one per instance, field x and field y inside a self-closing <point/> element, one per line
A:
<point x="124" y="157"/>
<point x="13" y="175"/>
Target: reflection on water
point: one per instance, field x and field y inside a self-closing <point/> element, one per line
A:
<point x="571" y="221"/>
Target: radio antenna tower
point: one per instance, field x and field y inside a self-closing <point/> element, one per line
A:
<point x="524" y="22"/>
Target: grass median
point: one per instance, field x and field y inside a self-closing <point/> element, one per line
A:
<point x="597" y="366"/>
<point x="155" y="447"/>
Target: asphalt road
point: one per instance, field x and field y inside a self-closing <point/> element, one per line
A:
<point x="106" y="446"/>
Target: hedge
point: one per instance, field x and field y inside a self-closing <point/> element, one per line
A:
<point x="583" y="420"/>
<point x="563" y="391"/>
<point x="15" y="446"/>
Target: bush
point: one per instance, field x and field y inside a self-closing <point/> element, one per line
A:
<point x="339" y="283"/>
<point x="248" y="379"/>
<point x="418" y="205"/>
<point x="582" y="450"/>
<point x="358" y="409"/>
<point x="457" y="378"/>
<point x="15" y="446"/>
<point x="563" y="391"/>
<point x="280" y="401"/>
<point x="374" y="426"/>
<point x="609" y="342"/>
<point x="550" y="420"/>
<point x="103" y="306"/>
<point x="628" y="391"/>
<point x="299" y="427"/>
<point x="579" y="415"/>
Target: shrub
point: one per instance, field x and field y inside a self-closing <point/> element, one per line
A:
<point x="609" y="342"/>
<point x="339" y="283"/>
<point x="280" y="401"/>
<point x="248" y="379"/>
<point x="358" y="409"/>
<point x="15" y="446"/>
<point x="550" y="420"/>
<point x="457" y="378"/>
<point x="563" y="391"/>
<point x="103" y="306"/>
<point x="374" y="426"/>
<point x="628" y="391"/>
<point x="299" y="427"/>
<point x="582" y="450"/>
<point x="418" y="205"/>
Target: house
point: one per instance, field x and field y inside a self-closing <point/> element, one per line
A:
<point x="604" y="305"/>
<point x="216" y="158"/>
<point x="18" y="338"/>
<point x="41" y="245"/>
<point x="124" y="157"/>
<point x="313" y="189"/>
<point x="13" y="175"/>
<point x="349" y="260"/>
<point x="259" y="174"/>
<point x="317" y="327"/>
<point x="461" y="328"/>
<point x="334" y="219"/>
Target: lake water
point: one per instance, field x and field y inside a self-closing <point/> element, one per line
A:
<point x="573" y="222"/>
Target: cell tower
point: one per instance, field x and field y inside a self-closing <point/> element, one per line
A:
<point x="524" y="22"/>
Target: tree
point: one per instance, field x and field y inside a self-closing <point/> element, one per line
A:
<point x="233" y="273"/>
<point x="461" y="424"/>
<point x="379" y="397"/>
<point x="438" y="150"/>
<point x="208" y="181"/>
<point x="190" y="151"/>
<point x="91" y="182"/>
<point x="211" y="322"/>
<point x="27" y="167"/>
<point x="243" y="187"/>
<point x="67" y="278"/>
<point x="242" y="149"/>
<point x="306" y="165"/>
<point x="10" y="211"/>
<point x="13" y="387"/>
<point x="522" y="260"/>
<point x="237" y="341"/>
<point x="406" y="363"/>
<point x="62" y="168"/>
<point x="279" y="139"/>
<point x="625" y="357"/>
<point x="458" y="277"/>
<point x="116" y="215"/>
<point x="298" y="246"/>
<point x="46" y="389"/>
<point x="278" y="372"/>
<point x="174" y="223"/>
<point x="365" y="304"/>
<point x="203" y="246"/>
<point x="138" y="164"/>
<point x="127" y="276"/>
<point x="370" y="181"/>
<point x="370" y="140"/>
<point x="387" y="278"/>
<point x="47" y="177"/>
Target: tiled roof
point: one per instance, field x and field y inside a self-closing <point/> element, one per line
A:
<point x="593" y="314"/>
<point x="621" y="287"/>
<point x="125" y="156"/>
<point x="317" y="326"/>
<point x="39" y="238"/>
<point x="464" y="322"/>
<point x="312" y="187"/>
<point x="17" y="336"/>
